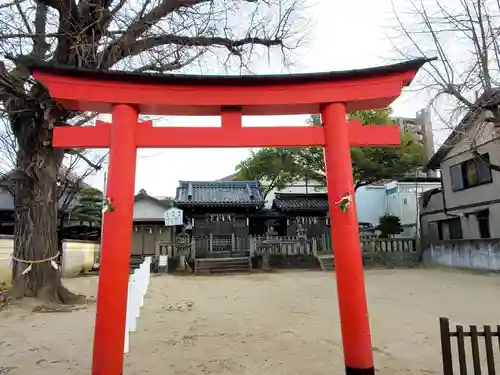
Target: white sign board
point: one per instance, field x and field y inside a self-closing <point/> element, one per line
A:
<point x="173" y="216"/>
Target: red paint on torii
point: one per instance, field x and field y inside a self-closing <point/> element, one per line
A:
<point x="228" y="135"/>
<point x="125" y="95"/>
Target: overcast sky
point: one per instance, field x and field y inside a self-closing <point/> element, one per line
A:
<point x="344" y="35"/>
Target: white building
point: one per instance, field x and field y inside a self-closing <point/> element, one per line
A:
<point x="399" y="198"/>
<point x="299" y="187"/>
<point x="402" y="200"/>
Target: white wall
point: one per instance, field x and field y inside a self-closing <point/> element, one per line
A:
<point x="76" y="256"/>
<point x="146" y="209"/>
<point x="402" y="201"/>
<point x="298" y="187"/>
<point x="474" y="254"/>
<point x="6" y="250"/>
<point x="371" y="203"/>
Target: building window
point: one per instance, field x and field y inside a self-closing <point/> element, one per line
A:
<point x="470" y="173"/>
<point x="483" y="220"/>
<point x="450" y="229"/>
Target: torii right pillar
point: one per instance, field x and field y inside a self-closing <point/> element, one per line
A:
<point x="355" y="326"/>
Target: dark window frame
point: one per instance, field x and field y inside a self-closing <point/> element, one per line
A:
<point x="465" y="184"/>
<point x="483" y="222"/>
<point x="449" y="222"/>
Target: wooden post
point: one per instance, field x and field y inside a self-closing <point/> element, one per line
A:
<point x="251" y="245"/>
<point x="444" y="326"/>
<point x="488" y="346"/>
<point x="193" y="248"/>
<point x="474" y="345"/>
<point x="233" y="244"/>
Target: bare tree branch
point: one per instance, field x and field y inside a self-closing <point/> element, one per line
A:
<point x="464" y="81"/>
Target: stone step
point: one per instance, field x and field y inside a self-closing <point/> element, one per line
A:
<point x="326" y="262"/>
<point x="222" y="265"/>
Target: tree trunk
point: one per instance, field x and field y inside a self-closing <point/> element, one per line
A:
<point x="36" y="214"/>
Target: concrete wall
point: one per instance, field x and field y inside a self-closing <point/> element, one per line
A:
<point x="481" y="255"/>
<point x="434" y="212"/>
<point x="483" y="134"/>
<point x="145" y="237"/>
<point x="145" y="209"/>
<point x="6" y="249"/>
<point x="371" y="203"/>
<point x="77" y="256"/>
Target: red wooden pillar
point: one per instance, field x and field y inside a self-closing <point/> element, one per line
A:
<point x="353" y="309"/>
<point x="115" y="244"/>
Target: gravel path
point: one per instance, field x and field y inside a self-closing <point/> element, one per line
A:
<point x="262" y="324"/>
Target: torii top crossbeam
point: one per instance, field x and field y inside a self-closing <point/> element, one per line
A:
<point x="228" y="96"/>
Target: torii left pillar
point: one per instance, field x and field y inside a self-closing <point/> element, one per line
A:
<point x="116" y="243"/>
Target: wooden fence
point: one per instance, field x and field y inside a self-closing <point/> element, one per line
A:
<point x="375" y="250"/>
<point x="174" y="250"/>
<point x="283" y="245"/>
<point x="489" y="334"/>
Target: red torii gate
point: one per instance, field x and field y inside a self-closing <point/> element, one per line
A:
<point x="125" y="95"/>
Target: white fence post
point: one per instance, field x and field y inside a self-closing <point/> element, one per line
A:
<point x="126" y="348"/>
<point x="138" y="284"/>
<point x="132" y="304"/>
<point x="142" y="278"/>
<point x="137" y="293"/>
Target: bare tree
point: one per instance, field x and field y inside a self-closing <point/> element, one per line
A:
<point x="463" y="82"/>
<point x="75" y="168"/>
<point x="142" y="36"/>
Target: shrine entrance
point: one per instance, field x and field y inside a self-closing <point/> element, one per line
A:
<point x="125" y="95"/>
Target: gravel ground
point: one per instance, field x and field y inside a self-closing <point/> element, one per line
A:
<point x="260" y="324"/>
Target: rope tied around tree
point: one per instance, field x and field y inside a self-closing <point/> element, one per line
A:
<point x="30" y="263"/>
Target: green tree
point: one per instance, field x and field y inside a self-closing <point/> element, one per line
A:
<point x="88" y="208"/>
<point x="369" y="164"/>
<point x="273" y="167"/>
<point x="389" y="225"/>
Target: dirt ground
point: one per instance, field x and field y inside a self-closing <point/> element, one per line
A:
<point x="280" y="323"/>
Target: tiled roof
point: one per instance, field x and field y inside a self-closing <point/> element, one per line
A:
<point x="143" y="195"/>
<point x="301" y="202"/>
<point x="219" y="193"/>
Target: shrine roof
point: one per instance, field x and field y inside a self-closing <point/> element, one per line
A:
<point x="216" y="80"/>
<point x="218" y="194"/>
<point x="301" y="202"/>
<point x="143" y="195"/>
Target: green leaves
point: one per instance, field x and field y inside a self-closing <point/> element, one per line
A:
<point x="89" y="207"/>
<point x="277" y="167"/>
<point x="389" y="225"/>
<point x="273" y="167"/>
